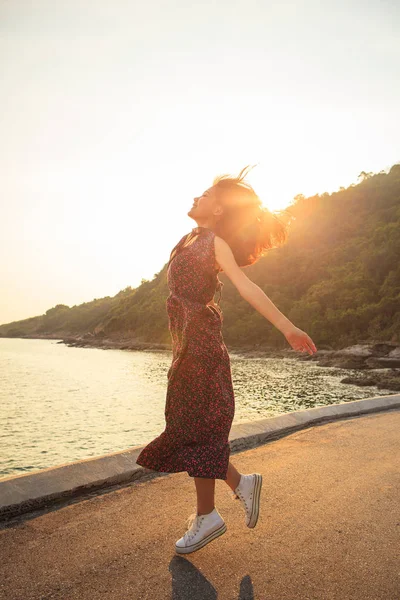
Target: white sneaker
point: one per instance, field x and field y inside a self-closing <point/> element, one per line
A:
<point x="202" y="530"/>
<point x="248" y="491"/>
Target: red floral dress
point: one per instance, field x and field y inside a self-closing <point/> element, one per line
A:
<point x="200" y="403"/>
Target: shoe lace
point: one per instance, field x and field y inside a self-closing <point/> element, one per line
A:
<point x="193" y="522"/>
<point x="244" y="499"/>
<point x="239" y="495"/>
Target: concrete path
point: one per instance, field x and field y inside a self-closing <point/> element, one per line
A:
<point x="329" y="528"/>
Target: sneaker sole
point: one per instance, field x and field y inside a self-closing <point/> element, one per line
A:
<point x="256" y="502"/>
<point x="209" y="538"/>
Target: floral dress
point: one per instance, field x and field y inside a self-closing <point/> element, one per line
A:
<point x="200" y="403"/>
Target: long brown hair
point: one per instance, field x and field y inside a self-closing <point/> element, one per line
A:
<point x="249" y="228"/>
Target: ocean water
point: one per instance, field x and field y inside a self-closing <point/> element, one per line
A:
<point x="60" y="404"/>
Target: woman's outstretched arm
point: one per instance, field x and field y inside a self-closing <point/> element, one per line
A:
<point x="250" y="291"/>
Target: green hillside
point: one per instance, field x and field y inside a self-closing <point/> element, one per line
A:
<point x="337" y="277"/>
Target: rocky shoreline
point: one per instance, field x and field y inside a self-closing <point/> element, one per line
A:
<point x="373" y="363"/>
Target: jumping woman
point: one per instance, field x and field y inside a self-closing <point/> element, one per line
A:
<point x="233" y="230"/>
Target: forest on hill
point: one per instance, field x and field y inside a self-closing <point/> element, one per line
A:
<point x="337" y="277"/>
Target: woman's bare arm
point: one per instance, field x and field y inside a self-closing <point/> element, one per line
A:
<point x="250" y="291"/>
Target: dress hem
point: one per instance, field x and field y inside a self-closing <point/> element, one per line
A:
<point x="185" y="470"/>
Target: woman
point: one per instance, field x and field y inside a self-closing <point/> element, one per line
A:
<point x="233" y="230"/>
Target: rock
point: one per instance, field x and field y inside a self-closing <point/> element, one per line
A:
<point x="374" y="355"/>
<point x="89" y="335"/>
<point x="383" y="348"/>
<point x="390" y="384"/>
<point x="360" y="382"/>
<point x="389" y="380"/>
<point x="383" y="363"/>
<point x="361" y="350"/>
<point x="352" y="362"/>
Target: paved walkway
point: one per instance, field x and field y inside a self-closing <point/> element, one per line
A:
<point x="329" y="528"/>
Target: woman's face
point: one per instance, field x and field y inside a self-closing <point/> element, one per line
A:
<point x="205" y="209"/>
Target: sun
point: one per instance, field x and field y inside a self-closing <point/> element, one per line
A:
<point x="271" y="189"/>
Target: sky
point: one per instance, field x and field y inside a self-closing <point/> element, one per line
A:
<point x="116" y="114"/>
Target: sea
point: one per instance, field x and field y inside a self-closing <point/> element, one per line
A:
<point x="60" y="404"/>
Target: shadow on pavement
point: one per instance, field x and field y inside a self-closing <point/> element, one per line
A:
<point x="188" y="583"/>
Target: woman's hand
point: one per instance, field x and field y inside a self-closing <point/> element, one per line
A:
<point x="299" y="340"/>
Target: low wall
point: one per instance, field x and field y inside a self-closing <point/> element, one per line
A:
<point x="22" y="494"/>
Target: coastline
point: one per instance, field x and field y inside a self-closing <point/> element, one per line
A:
<point x="364" y="355"/>
<point x="374" y="363"/>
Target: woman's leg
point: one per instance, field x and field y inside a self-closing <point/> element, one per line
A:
<point x="205" y="489"/>
<point x="233" y="477"/>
